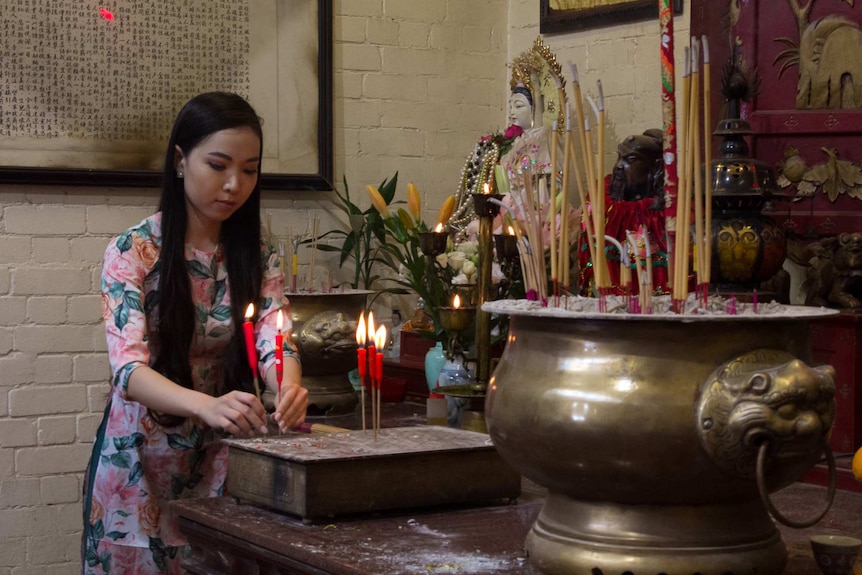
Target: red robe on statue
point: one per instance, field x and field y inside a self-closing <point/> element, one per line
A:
<point x="622" y="216"/>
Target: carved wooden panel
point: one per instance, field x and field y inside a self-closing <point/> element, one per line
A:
<point x="808" y="56"/>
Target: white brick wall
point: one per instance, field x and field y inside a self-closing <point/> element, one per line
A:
<point x="416" y="84"/>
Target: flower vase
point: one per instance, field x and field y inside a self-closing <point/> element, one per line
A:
<point x="435" y="358"/>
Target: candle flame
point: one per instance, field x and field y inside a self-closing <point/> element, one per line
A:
<point x="456" y="301"/>
<point x="249" y="311"/>
<point x="279" y="321"/>
<point x="360" y="330"/>
<point x="438" y="229"/>
<point x="511" y="231"/>
<point x="487" y="188"/>
<point x="370" y="326"/>
<point x="380" y="338"/>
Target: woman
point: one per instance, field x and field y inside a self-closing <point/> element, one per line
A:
<point x="175" y="288"/>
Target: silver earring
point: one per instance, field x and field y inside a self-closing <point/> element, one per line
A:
<point x="180" y="175"/>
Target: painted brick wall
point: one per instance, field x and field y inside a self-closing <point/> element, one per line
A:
<point x="416" y="84"/>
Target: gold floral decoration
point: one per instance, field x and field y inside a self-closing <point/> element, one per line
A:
<point x="833" y="177"/>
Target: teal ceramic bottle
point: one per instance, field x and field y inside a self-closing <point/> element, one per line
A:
<point x="434" y="361"/>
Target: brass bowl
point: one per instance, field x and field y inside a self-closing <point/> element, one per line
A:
<point x="645" y="432"/>
<point x="324" y="331"/>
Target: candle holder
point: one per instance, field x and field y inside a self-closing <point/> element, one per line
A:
<point x="433" y="243"/>
<point x="507" y="246"/>
<point x="454" y="321"/>
<point x="483" y="207"/>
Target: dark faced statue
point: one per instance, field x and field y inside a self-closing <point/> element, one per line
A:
<point x="639" y="172"/>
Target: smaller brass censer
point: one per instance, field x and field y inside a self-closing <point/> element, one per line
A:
<point x="748" y="247"/>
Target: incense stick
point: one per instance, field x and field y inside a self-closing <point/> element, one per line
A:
<point x="552" y="212"/>
<point x="681" y="259"/>
<point x="707" y="144"/>
<point x="698" y="177"/>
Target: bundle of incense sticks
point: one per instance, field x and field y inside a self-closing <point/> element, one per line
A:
<point x="593" y="200"/>
<point x="541" y="201"/>
<point x="692" y="203"/>
<point x="530" y="205"/>
<point x="642" y="250"/>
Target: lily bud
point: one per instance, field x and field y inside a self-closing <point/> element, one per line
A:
<point x="377" y="201"/>
<point x="447" y="210"/>
<point x="414" y="202"/>
<point x="405" y="218"/>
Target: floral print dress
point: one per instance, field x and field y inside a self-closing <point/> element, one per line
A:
<point x="137" y="465"/>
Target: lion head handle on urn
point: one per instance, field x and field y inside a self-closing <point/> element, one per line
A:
<point x="766" y="396"/>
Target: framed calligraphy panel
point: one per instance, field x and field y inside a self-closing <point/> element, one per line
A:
<point x="89" y="91"/>
<point x="559" y="16"/>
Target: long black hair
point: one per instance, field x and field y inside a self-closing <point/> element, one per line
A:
<point x="201" y="117"/>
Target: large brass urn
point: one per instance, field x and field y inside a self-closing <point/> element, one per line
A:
<point x="647" y="430"/>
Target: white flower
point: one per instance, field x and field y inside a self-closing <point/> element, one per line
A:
<point x="468" y="248"/>
<point x="461" y="279"/>
<point x="497" y="274"/>
<point x="469" y="268"/>
<point x="442" y="260"/>
<point x="456" y="260"/>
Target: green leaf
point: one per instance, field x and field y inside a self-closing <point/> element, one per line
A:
<point x="91" y="556"/>
<point x="117" y="290"/>
<point x="124" y="242"/>
<point x="121" y="459"/>
<point x="178" y="483"/>
<point x="136" y="474"/>
<point x="201" y="313"/>
<point x="145" y="231"/>
<point x="98" y="530"/>
<point x="121" y="443"/>
<point x="220" y="291"/>
<point x="121" y="317"/>
<point x="218" y="332"/>
<point x="220" y="312"/>
<point x="177" y="441"/>
<point x="159" y="551"/>
<point x="196" y="437"/>
<point x="114" y="535"/>
<point x="199" y="270"/>
<point x="133" y="300"/>
<point x="387" y="189"/>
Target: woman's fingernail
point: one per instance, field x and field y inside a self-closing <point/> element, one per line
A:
<point x="263" y="429"/>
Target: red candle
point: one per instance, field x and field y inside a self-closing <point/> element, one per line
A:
<point x="248" y="329"/>
<point x="372" y="350"/>
<point x="380" y="342"/>
<point x="279" y="352"/>
<point x="360" y="348"/>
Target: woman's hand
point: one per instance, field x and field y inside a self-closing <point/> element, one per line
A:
<point x="291" y="407"/>
<point x="238" y="413"/>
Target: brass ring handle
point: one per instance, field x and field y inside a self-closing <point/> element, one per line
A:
<point x="764" y="495"/>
